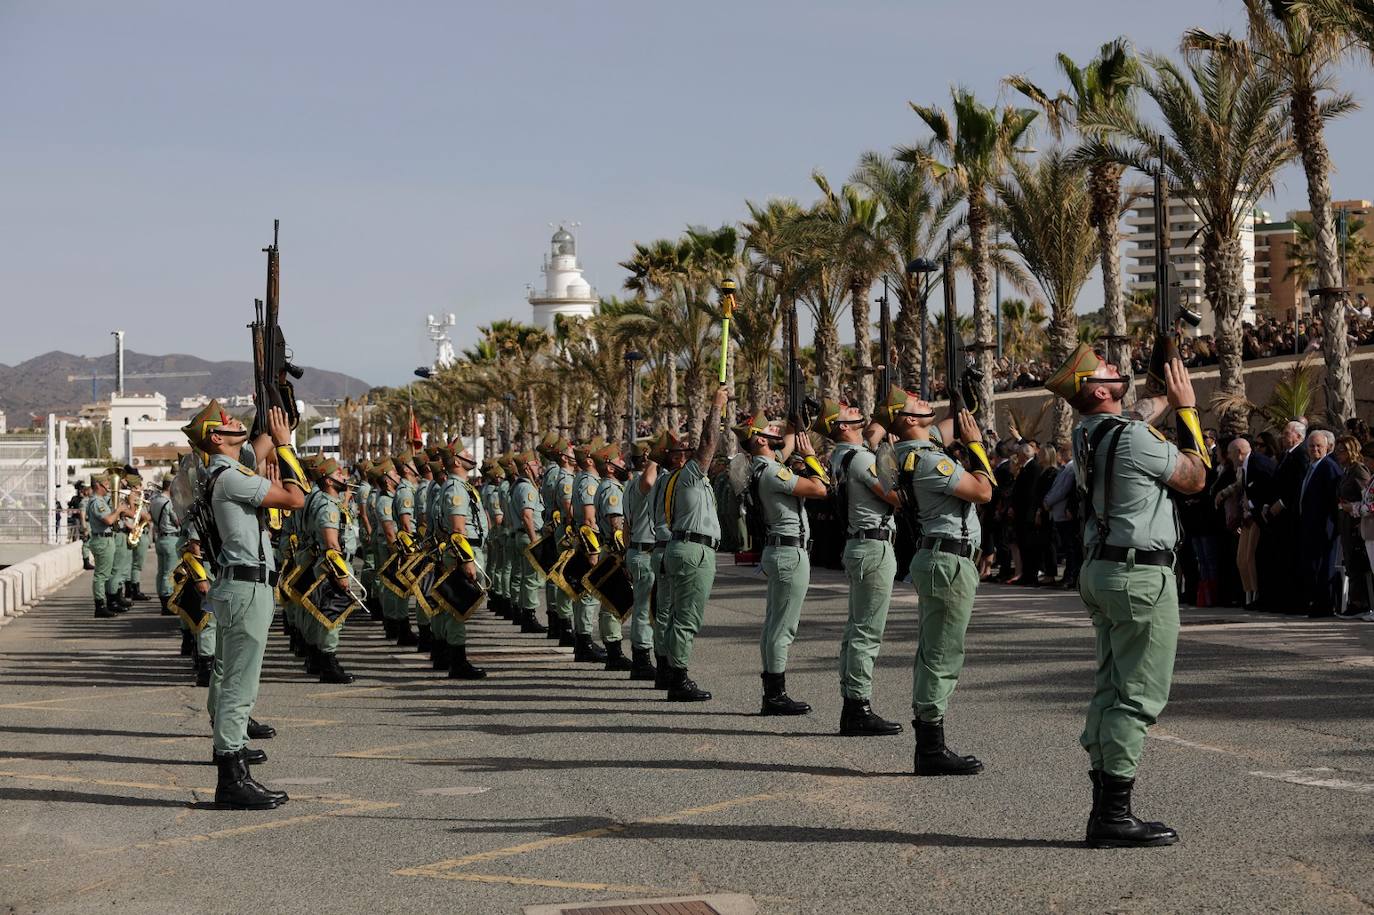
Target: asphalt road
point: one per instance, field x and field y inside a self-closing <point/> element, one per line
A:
<point x="555" y="782"/>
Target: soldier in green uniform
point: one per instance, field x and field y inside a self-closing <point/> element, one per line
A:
<point x="138" y="550"/>
<point x="610" y="522"/>
<point x="557" y="490"/>
<point x="525" y="511"/>
<point x="198" y="643"/>
<point x="865" y="506"/>
<point x="493" y="476"/>
<point x="466" y="525"/>
<point x="670" y="452"/>
<point x="778" y="493"/>
<point x="403" y="507"/>
<point x="395" y="621"/>
<point x="324" y="525"/>
<point x="639" y="559"/>
<point x="164" y="530"/>
<point x="83" y="496"/>
<point x="690" y="563"/>
<point x="944" y="568"/>
<point x="118" y="587"/>
<point x="241" y="594"/>
<point x="586" y="608"/>
<point x="1126" y="470"/>
<point x="363" y="506"/>
<point x="103" y="518"/>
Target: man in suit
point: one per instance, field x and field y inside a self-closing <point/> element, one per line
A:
<point x="1317" y="542"/>
<point x="1278" y="554"/>
<point x="1255" y="473"/>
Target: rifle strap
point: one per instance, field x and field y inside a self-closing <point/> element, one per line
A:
<point x="1093" y="443"/>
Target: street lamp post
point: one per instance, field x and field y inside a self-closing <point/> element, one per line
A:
<point x="924" y="268"/>
<point x="632" y="357"/>
<point x="509" y="434"/>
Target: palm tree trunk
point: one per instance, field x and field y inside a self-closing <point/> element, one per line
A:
<point x="906" y="331"/>
<point x="1224" y="274"/>
<point x="983" y="332"/>
<point x="673" y="401"/>
<point x="756" y="386"/>
<point x="827" y="343"/>
<point x="863" y="346"/>
<point x="694" y="388"/>
<point x="1104" y="182"/>
<point x="1316" y="163"/>
<point x="1063" y="334"/>
<point x="562" y="411"/>
<point x="730" y="443"/>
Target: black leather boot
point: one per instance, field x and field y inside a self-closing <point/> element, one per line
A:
<point x="374" y="610"/>
<point x="567" y="638"/>
<point x="259" y="731"/>
<point x="405" y="636"/>
<point x="439" y="655"/>
<point x="87" y="565"/>
<point x="238" y="790"/>
<point x="101" y="613"/>
<point x="642" y="666"/>
<point x="205" y="666"/>
<point x="663" y="673"/>
<point x="115" y="602"/>
<point x="166" y="610"/>
<point x="934" y="758"/>
<point x="857" y="719"/>
<point x="330" y="671"/>
<point x="585" y="649"/>
<point x="312" y="660"/>
<point x="424" y="639"/>
<point x="775" y="698"/>
<point x="188" y="643"/>
<point x="388" y="628"/>
<point x="299" y="647"/>
<point x="460" y="668"/>
<point x="681" y="688"/>
<point x="1115" y="826"/>
<point x="136" y="592"/>
<point x="530" y="623"/>
<point x="615" y="656"/>
<point x="250" y="755"/>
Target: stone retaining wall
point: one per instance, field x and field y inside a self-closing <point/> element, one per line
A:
<point x="30" y="580"/>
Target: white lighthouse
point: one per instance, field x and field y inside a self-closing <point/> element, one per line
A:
<point x="565" y="291"/>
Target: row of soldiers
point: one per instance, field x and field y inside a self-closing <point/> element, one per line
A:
<point x="437" y="530"/>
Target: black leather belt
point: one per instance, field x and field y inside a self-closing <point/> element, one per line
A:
<point x="954" y="547"/>
<point x="644" y="546"/>
<point x="783" y="540"/>
<point x="477" y="541"/>
<point x="104" y="534"/>
<point x="1142" y="557"/>
<point x="692" y="537"/>
<point x="256" y="574"/>
<point x="660" y="545"/>
<point x="872" y="533"/>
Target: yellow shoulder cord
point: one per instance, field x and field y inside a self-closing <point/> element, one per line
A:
<point x="1189" y="429"/>
<point x="669" y="489"/>
<point x="590" y="542"/>
<point x="338" y="566"/>
<point x="290" y="468"/>
<point x="462" y="547"/>
<point x="194" y="567"/>
<point x="980" y="459"/>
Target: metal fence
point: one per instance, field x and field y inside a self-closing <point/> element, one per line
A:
<point x="32" y="467"/>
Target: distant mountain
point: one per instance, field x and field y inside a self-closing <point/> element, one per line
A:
<point x="40" y="385"/>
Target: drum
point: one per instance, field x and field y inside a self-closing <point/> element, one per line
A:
<point x="456" y="594"/>
<point x="610" y="583"/>
<point x="543" y="554"/>
<point x="329" y="603"/>
<point x="568" y="571"/>
<point x="188" y="603"/>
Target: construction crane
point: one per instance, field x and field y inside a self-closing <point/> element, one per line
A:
<point x="120" y="377"/>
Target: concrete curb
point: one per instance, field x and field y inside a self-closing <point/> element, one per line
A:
<point x="30" y="580"/>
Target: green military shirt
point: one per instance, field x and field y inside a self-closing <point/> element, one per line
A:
<point x="403" y="505"/>
<point x="866" y="510"/>
<point x="236" y="501"/>
<point x="491" y="499"/>
<point x="326" y="513"/>
<point x="690" y="503"/>
<point x="583" y="494"/>
<point x="558" y="488"/>
<point x="384" y="514"/>
<point x="351" y="528"/>
<point x="374" y="516"/>
<point x="525" y="495"/>
<point x="783" y="514"/>
<point x="98" y="508"/>
<point x="464" y="502"/>
<point x="165" y="522"/>
<point x="610" y="503"/>
<point x="658" y="506"/>
<point x="434" y="511"/>
<point x="1141" y="514"/>
<point x="639" y="518"/>
<point x="934" y="475"/>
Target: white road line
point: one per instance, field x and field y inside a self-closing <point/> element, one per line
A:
<point x="1318" y="778"/>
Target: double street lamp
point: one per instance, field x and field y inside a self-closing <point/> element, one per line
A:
<point x="923" y="267"/>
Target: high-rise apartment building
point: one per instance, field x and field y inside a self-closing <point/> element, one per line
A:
<point x="1282" y="287"/>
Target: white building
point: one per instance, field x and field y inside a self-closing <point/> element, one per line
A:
<point x="140" y="430"/>
<point x="323" y="439"/>
<point x="565" y="291"/>
<point x="1185" y="252"/>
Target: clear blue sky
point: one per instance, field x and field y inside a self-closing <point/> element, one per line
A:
<point x="415" y="152"/>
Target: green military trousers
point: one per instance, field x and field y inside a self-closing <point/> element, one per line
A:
<point x="325" y="638"/>
<point x="86" y="555"/>
<point x="243" y="614"/>
<point x="946" y="585"/>
<point x="524" y="580"/>
<point x="870" y="566"/>
<point x="691" y="569"/>
<point x="167" y="561"/>
<point x="205" y="639"/>
<point x="662" y="600"/>
<point x="500" y="562"/>
<point x="789" y="574"/>
<point x="123" y="562"/>
<point x="103" y="549"/>
<point x="136" y="554"/>
<point x="639" y="565"/>
<point x="1135" y="616"/>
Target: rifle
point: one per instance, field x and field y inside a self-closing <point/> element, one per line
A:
<point x="1169" y="308"/>
<point x="272" y="368"/>
<point x="801" y="410"/>
<point x="961" y="378"/>
<point x="884" y="344"/>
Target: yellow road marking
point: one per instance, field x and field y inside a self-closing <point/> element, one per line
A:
<point x="84" y="697"/>
<point x="556" y="884"/>
<point x="438" y="868"/>
<point x="153" y="786"/>
<point x="376" y="752"/>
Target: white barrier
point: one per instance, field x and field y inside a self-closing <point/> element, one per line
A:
<point x="30" y="580"/>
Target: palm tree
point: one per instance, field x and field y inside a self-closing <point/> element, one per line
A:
<point x="1047" y="208"/>
<point x="1104" y="84"/>
<point x="976" y="147"/>
<point x="1356" y="254"/>
<point x="1355" y="18"/>
<point x="822" y="286"/>
<point x="1225" y="138"/>
<point x="1023" y="329"/>
<point x="1302" y="52"/>
<point x="853" y="220"/>
<point x="915" y="211"/>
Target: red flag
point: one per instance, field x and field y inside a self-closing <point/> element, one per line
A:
<point x="417" y="438"/>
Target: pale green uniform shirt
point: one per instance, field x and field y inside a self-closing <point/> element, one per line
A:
<point x="639" y="519"/>
<point x="783" y="514"/>
<point x="934" y="475"/>
<point x="524" y="494"/>
<point x="583" y="494"/>
<point x="610" y="502"/>
<point x="658" y="508"/>
<point x="325" y="514"/>
<point x="236" y="499"/>
<point x="97" y="510"/>
<point x="463" y="500"/>
<point x="165" y="522"/>
<point x="693" y="506"/>
<point x="384" y="513"/>
<point x="403" y="504"/>
<point x="1141" y="514"/>
<point x="866" y="510"/>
